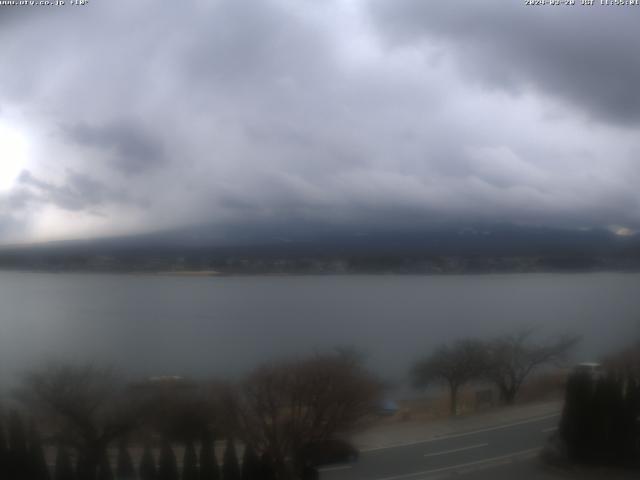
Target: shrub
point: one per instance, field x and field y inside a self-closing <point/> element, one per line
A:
<point x="148" y="469"/>
<point x="37" y="460"/>
<point x="124" y="466"/>
<point x="190" y="463"/>
<point x="600" y="419"/>
<point x="230" y="466"/>
<point x="209" y="469"/>
<point x="64" y="468"/>
<point x="251" y="466"/>
<point x="168" y="466"/>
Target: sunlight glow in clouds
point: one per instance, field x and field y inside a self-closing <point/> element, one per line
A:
<point x="13" y="155"/>
<point x="623" y="231"/>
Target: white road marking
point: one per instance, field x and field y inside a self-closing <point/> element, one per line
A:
<point x="548" y="430"/>
<point x="458" y="435"/>
<point x="454" y="450"/>
<point x="462" y="465"/>
<point x="337" y="467"/>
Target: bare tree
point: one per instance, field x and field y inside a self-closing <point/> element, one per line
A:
<point x="85" y="404"/>
<point x="180" y="410"/>
<point x="512" y="358"/>
<point x="283" y="407"/>
<point x="624" y="362"/>
<point x="453" y="365"/>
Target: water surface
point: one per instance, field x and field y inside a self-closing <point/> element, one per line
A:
<point x="223" y="326"/>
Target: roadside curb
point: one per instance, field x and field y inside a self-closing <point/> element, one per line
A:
<point x="405" y="435"/>
<point x="460" y="433"/>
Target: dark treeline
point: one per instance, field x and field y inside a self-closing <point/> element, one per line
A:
<point x="95" y="426"/>
<point x="478" y="249"/>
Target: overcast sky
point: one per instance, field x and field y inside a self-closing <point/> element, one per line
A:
<point x="128" y="116"/>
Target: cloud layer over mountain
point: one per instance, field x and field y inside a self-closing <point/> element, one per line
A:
<point x="145" y="115"/>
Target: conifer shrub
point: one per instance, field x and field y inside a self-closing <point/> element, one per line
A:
<point x="230" y="465"/>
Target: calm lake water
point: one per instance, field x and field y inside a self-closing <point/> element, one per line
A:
<point x="223" y="326"/>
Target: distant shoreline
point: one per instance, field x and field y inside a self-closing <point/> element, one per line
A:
<point x="186" y="273"/>
<point x="218" y="274"/>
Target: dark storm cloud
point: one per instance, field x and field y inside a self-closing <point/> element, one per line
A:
<point x="131" y="149"/>
<point x="360" y="113"/>
<point x="587" y="55"/>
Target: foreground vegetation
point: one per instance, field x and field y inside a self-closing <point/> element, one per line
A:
<point x="72" y="422"/>
<point x="275" y="415"/>
<point x="601" y="419"/>
<point x="506" y="362"/>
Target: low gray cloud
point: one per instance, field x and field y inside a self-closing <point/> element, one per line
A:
<point x="11" y="228"/>
<point x="78" y="192"/>
<point x="131" y="150"/>
<point x="582" y="54"/>
<point x="374" y="113"/>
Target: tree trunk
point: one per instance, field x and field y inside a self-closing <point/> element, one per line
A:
<point x="510" y="398"/>
<point x="454" y="400"/>
<point x="508" y="395"/>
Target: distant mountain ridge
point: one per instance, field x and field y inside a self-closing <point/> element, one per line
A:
<point x="305" y="248"/>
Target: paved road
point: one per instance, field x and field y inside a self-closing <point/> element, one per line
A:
<point x="460" y="453"/>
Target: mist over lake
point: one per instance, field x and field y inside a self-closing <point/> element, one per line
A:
<point x="224" y="326"/>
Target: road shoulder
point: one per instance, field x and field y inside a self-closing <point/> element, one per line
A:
<point x="398" y="434"/>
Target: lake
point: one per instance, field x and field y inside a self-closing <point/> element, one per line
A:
<point x="223" y="326"/>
